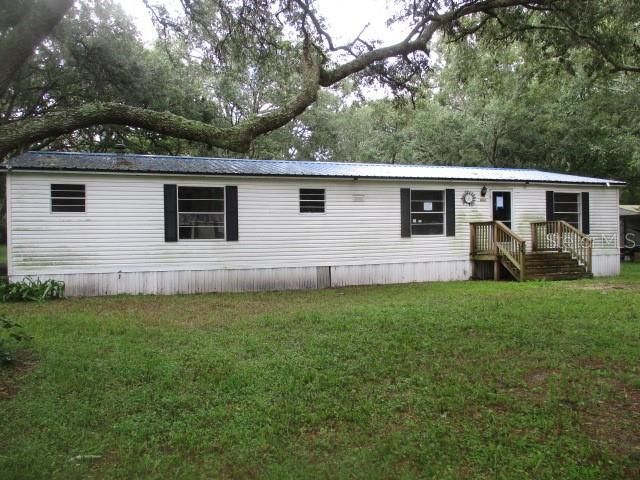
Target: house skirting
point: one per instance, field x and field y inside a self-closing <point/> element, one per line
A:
<point x="265" y="279"/>
<point x="606" y="265"/>
<point x="251" y="280"/>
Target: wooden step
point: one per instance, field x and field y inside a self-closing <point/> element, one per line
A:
<point x="559" y="276"/>
<point x="552" y="266"/>
<point x="551" y="275"/>
<point x="548" y="258"/>
<point x="547" y="261"/>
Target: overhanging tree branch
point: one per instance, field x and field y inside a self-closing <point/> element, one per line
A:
<point x="594" y="44"/>
<point x="409" y="45"/>
<point x="314" y="75"/>
<point x="21" y="133"/>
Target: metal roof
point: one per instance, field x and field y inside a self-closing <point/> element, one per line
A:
<point x="130" y="163"/>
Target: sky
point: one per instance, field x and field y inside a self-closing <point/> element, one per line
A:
<point x="345" y="18"/>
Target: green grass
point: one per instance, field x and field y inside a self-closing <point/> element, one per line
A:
<point x="438" y="380"/>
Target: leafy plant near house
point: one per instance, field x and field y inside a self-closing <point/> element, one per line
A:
<point x="30" y="290"/>
<point x="10" y="334"/>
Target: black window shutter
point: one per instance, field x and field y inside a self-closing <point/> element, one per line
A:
<point x="450" y="204"/>
<point x="231" y="212"/>
<point x="405" y="212"/>
<point x="585" y="212"/>
<point x="550" y="208"/>
<point x="170" y="213"/>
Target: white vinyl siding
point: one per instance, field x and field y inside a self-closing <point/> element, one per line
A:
<point x="123" y="230"/>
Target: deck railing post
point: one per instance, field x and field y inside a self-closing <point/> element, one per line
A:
<point x="534" y="239"/>
<point x="522" y="261"/>
<point x="561" y="235"/>
<point x="472" y="236"/>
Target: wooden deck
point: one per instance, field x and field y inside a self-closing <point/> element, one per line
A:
<point x="560" y="251"/>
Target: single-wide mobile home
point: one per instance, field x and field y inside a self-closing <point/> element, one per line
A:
<point x="120" y="223"/>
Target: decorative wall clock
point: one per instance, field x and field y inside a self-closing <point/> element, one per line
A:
<point x="468" y="198"/>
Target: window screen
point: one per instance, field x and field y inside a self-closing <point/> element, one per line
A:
<point x="312" y="200"/>
<point x="200" y="213"/>
<point x="427" y="212"/>
<point x="68" y="197"/>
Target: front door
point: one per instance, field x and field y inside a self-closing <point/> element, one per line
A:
<point x="502" y="207"/>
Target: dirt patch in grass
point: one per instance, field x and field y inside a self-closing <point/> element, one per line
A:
<point x="593" y="363"/>
<point x="211" y="310"/>
<point x="605" y="287"/>
<point x="11" y="374"/>
<point x="605" y="365"/>
<point x="534" y="386"/>
<point x="611" y="422"/>
<point x="615" y="423"/>
<point x="538" y="378"/>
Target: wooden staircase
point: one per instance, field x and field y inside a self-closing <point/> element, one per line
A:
<point x="553" y="266"/>
<point x="560" y="251"/>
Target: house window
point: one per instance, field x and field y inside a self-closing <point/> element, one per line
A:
<point x="67" y="197"/>
<point x="427" y="212"/>
<point x="200" y="213"/>
<point x="312" y="200"/>
<point x="566" y="206"/>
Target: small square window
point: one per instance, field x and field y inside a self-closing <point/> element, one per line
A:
<point x="312" y="200"/>
<point x="68" y="197"/>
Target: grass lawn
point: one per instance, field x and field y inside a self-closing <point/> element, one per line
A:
<point x="437" y="380"/>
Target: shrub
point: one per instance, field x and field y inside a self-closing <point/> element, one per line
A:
<point x="31" y="290"/>
<point x="10" y="333"/>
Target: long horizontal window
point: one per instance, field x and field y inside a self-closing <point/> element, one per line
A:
<point x="312" y="200"/>
<point x="427" y="212"/>
<point x="68" y="197"/>
<point x="200" y="213"/>
<point x="566" y="206"/>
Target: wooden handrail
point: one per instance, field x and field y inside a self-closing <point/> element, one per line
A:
<point x="511" y="232"/>
<point x="575" y="230"/>
<point x="511" y="246"/>
<point x="507" y="254"/>
<point x="495" y="238"/>
<point x="560" y="236"/>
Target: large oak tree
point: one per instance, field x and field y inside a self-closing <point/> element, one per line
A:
<point x="225" y="33"/>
